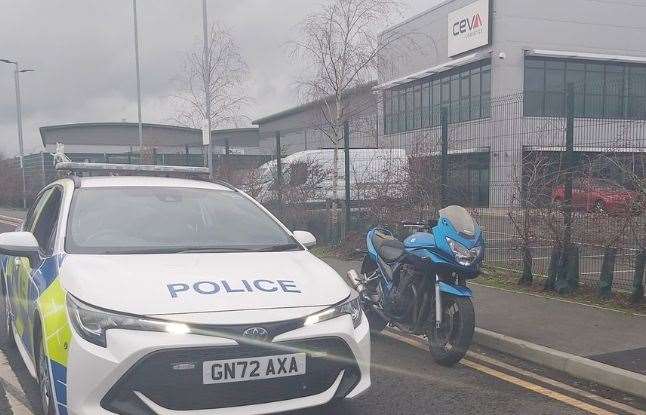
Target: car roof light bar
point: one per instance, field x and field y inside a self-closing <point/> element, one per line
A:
<point x="75" y="167"/>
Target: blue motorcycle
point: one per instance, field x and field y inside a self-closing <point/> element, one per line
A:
<point x="419" y="286"/>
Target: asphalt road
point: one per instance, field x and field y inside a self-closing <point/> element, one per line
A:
<point x="405" y="381"/>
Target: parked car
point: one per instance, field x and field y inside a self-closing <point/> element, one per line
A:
<point x="308" y="175"/>
<point x="599" y="195"/>
<point x="146" y="295"/>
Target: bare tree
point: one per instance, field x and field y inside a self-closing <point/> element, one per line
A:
<point x="228" y="72"/>
<point x="9" y="178"/>
<point x="529" y="204"/>
<point x="342" y="49"/>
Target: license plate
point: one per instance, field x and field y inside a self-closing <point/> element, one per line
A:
<point x="255" y="368"/>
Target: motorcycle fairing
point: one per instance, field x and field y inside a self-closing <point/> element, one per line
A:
<point x="418" y="250"/>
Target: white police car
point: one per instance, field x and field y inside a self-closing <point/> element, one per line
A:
<point x="148" y="295"/>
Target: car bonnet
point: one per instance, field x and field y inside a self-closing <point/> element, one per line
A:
<point x="202" y="282"/>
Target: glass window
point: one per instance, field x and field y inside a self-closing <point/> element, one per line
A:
<point x="46" y="219"/>
<point x="426" y="104"/>
<point x="36" y="210"/>
<point x="614" y="91"/>
<point x="387" y="111"/>
<point x="575" y="74"/>
<point x="409" y="109"/>
<point x="534" y="63"/>
<point x="534" y="104"/>
<point x="395" y="116"/>
<point x="464" y="92"/>
<point x="402" y="110"/>
<point x="601" y="90"/>
<point x="555" y="89"/>
<point x="594" y="90"/>
<point x="454" y="114"/>
<point x="637" y="93"/>
<point x="486" y="79"/>
<point x="475" y="93"/>
<point x="486" y="91"/>
<point x="417" y="107"/>
<point x="126" y="220"/>
<point x="436" y="103"/>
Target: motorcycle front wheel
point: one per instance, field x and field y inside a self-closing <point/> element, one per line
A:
<point x="450" y="343"/>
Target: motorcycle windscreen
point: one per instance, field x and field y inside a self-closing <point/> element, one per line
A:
<point x="460" y="219"/>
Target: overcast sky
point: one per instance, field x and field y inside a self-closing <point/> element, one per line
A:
<point x="82" y="51"/>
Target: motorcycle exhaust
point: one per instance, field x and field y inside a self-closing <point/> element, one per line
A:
<point x="356" y="281"/>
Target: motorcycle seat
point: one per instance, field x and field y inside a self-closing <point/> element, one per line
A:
<point x="389" y="248"/>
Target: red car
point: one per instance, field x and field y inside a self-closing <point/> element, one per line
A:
<point x="599" y="195"/>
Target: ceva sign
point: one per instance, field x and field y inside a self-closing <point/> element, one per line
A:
<point x="469" y="28"/>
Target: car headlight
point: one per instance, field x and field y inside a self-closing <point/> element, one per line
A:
<point x="350" y="306"/>
<point x="463" y="255"/>
<point x="92" y="323"/>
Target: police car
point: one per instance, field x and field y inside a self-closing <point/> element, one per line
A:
<point x="152" y="295"/>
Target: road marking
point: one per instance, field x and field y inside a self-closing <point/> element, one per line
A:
<point x="10" y="219"/>
<point x="16" y="397"/>
<point x="552" y="382"/>
<point x="536" y="388"/>
<point x="418" y="343"/>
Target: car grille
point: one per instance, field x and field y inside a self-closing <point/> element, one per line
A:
<point x="183" y="390"/>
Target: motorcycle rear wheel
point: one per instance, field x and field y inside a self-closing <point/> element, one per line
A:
<point x="450" y="343"/>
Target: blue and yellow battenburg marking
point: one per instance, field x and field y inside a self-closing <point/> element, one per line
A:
<point x="43" y="293"/>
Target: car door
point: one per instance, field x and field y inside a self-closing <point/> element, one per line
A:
<point x="42" y="221"/>
<point x="18" y="268"/>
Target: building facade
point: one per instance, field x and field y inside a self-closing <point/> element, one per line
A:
<point x="306" y="127"/>
<point x="501" y="69"/>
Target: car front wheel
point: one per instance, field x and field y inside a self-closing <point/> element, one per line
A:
<point x="44" y="381"/>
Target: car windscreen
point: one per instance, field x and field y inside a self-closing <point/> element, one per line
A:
<point x="128" y="220"/>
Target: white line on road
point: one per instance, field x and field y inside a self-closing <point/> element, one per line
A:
<point x="421" y="344"/>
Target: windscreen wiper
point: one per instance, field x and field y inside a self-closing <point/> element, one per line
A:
<point x="279" y="248"/>
<point x="214" y="250"/>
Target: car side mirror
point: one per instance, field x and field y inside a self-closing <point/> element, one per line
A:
<point x="305" y="238"/>
<point x="20" y="244"/>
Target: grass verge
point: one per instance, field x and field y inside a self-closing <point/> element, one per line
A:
<point x="508" y="280"/>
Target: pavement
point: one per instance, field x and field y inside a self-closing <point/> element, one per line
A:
<point x="602" y="335"/>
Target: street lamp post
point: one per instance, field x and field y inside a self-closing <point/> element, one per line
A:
<point x="17" y="73"/>
<point x="139" y="125"/>
<point x="207" y="87"/>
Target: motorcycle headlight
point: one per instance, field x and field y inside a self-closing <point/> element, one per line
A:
<point x="465" y="257"/>
<point x="351" y="307"/>
<point x="92" y="323"/>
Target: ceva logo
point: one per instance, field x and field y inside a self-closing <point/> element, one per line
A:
<point x="467" y="25"/>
